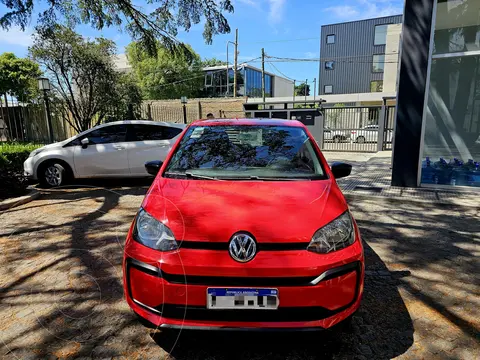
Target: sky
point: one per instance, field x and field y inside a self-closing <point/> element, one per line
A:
<point x="284" y="28"/>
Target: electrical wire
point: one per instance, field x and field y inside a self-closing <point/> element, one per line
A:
<point x="277" y="41"/>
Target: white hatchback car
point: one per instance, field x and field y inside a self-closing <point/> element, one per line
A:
<point x="116" y="149"/>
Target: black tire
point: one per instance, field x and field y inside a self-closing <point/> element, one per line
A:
<point x="53" y="174"/>
<point x="336" y="139"/>
<point x="361" y="140"/>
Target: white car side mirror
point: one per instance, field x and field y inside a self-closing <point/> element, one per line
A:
<point x="84" y="143"/>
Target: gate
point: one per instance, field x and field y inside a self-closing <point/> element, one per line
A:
<point x="352" y="128"/>
<point x="388" y="127"/>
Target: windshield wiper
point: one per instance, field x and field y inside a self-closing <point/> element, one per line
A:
<point x="263" y="178"/>
<point x="188" y="175"/>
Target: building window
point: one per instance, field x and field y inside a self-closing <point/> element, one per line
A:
<point x="208" y="79"/>
<point x="376" y="86"/>
<point x="331" y="39"/>
<point x="378" y="63"/>
<point x="380" y="35"/>
<point x="328" y="89"/>
<point x="329" y="65"/>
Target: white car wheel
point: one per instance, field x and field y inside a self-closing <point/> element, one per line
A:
<point x="53" y="175"/>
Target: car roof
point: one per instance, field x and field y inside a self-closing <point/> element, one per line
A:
<point x="248" y="122"/>
<point x="143" y="122"/>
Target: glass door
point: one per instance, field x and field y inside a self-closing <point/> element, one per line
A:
<point x="451" y="140"/>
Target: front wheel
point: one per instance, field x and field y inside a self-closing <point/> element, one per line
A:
<point x="360" y="140"/>
<point x="52" y="175"/>
<point x="337" y="139"/>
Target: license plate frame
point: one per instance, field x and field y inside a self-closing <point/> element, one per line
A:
<point x="242" y="298"/>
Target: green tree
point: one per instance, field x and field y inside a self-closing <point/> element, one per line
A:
<point x="213" y="62"/>
<point x="167" y="75"/>
<point x="82" y="74"/>
<point x="161" y="24"/>
<point x="300" y="90"/>
<point x="18" y="76"/>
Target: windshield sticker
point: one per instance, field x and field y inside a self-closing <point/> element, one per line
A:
<point x="197" y="132"/>
<point x="251" y="137"/>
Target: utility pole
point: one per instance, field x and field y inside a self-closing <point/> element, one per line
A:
<point x="294" y="90"/>
<point x="235" y="63"/>
<point x="305" y="91"/>
<point x="263" y="76"/>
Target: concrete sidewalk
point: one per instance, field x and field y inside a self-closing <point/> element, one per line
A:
<point x="371" y="177"/>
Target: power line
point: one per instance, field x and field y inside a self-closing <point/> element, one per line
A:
<point x="283" y="40"/>
<point x="281" y="73"/>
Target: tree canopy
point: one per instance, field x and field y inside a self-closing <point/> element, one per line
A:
<point x="213" y="62"/>
<point x="166" y="75"/>
<point x="162" y="23"/>
<point x="82" y="73"/>
<point x="18" y="76"/>
<point x="300" y="89"/>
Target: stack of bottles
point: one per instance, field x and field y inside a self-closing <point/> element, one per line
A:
<point x="454" y="172"/>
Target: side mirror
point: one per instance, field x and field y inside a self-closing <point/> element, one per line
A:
<point x="84" y="143"/>
<point x="341" y="170"/>
<point x="153" y="167"/>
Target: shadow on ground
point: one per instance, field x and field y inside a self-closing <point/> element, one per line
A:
<point x="381" y="328"/>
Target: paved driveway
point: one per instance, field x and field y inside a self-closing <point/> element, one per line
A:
<point x="61" y="292"/>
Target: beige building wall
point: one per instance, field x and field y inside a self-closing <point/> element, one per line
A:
<point x="392" y="48"/>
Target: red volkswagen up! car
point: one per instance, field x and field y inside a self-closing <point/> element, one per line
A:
<point x="244" y="227"/>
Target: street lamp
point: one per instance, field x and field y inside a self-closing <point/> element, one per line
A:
<point x="44" y="85"/>
<point x="183" y="100"/>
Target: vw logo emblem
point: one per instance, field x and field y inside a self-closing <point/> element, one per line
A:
<point x="242" y="247"/>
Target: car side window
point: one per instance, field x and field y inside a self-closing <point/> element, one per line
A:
<point x="107" y="134"/>
<point x="142" y="132"/>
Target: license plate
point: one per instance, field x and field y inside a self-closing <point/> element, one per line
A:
<point x="242" y="298"/>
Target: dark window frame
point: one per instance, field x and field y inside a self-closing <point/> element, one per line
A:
<point x="325" y="91"/>
<point x="165" y="130"/>
<point x="379" y="62"/>
<point x="334" y="39"/>
<point x="376" y="81"/>
<point x="385" y="34"/>
<point x="333" y="65"/>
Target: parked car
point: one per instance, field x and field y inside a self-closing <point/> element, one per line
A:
<point x="335" y="135"/>
<point x="369" y="134"/>
<point x="117" y="149"/>
<point x="244" y="227"/>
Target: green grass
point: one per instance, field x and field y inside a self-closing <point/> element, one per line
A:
<point x="11" y="147"/>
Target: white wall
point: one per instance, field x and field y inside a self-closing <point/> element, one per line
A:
<point x="282" y="87"/>
<point x="392" y="48"/>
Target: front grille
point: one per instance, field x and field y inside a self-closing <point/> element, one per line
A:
<point x="182" y="312"/>
<point x="208" y="245"/>
<point x="242" y="281"/>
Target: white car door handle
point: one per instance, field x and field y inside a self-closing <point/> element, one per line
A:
<point x="118" y="147"/>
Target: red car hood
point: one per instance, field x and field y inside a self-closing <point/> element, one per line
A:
<point x="273" y="211"/>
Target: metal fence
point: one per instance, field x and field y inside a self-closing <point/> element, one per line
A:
<point x="22" y="122"/>
<point x="389" y="126"/>
<point x="351" y="128"/>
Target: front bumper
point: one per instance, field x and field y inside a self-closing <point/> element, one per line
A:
<point x="28" y="169"/>
<point x="170" y="291"/>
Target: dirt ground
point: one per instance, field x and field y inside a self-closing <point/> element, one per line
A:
<point x="61" y="286"/>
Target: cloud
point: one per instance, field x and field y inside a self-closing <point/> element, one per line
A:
<point x="311" y="55"/>
<point x="15" y="36"/>
<point x="254" y="3"/>
<point x="365" y="9"/>
<point x="276" y="10"/>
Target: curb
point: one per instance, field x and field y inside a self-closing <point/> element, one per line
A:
<point x="349" y="196"/>
<point x="11" y="203"/>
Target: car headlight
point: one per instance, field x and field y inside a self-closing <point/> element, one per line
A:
<point x="36" y="152"/>
<point x="153" y="233"/>
<point x="336" y="235"/>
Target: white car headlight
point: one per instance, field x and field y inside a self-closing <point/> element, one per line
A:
<point x="153" y="233"/>
<point x="36" y="152"/>
<point x="336" y="235"/>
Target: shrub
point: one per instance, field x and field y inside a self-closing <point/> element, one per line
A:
<point x="12" y="156"/>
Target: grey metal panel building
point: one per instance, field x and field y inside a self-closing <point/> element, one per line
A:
<point x="352" y="53"/>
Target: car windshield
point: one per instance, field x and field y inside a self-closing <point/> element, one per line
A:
<point x="245" y="152"/>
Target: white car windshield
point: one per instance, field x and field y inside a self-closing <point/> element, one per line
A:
<point x="245" y="152"/>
